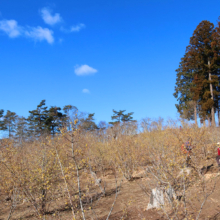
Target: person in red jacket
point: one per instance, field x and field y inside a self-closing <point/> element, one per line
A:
<point x="218" y="156"/>
<point x="186" y="147"/>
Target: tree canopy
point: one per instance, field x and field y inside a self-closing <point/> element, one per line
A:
<point x="197" y="81"/>
<point x="120" y="116"/>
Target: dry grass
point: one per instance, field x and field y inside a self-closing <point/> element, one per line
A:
<point x="40" y="179"/>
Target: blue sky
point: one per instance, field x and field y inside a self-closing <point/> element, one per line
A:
<point x="96" y="55"/>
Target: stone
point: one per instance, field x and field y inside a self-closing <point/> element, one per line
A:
<point x="156" y="198"/>
<point x="159" y="196"/>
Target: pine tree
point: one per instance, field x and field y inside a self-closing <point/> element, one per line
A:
<point x="199" y="60"/>
<point x="216" y="49"/>
<point x="2" y="123"/>
<point x="88" y="123"/>
<point x="9" y="122"/>
<point x="128" y="117"/>
<point x="37" y="119"/>
<point x="205" y="58"/>
<point x="183" y="94"/>
<point x="197" y="90"/>
<point x="54" y="120"/>
<point x="21" y="129"/>
<point x="119" y="116"/>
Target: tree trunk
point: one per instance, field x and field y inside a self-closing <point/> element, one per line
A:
<point x="195" y="114"/>
<point x="208" y="121"/>
<point x="212" y="97"/>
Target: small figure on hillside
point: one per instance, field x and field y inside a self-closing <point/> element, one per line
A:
<point x="218" y="156"/>
<point x="187" y="149"/>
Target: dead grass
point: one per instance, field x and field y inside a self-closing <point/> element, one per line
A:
<point x="33" y="186"/>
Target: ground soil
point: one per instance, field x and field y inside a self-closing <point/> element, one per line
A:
<point x="131" y="202"/>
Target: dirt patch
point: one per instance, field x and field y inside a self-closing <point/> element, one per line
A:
<point x="131" y="202"/>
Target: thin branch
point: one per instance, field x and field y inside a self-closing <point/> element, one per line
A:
<point x="70" y="199"/>
<point x="13" y="205"/>
<point x="116" y="195"/>
<point x="78" y="181"/>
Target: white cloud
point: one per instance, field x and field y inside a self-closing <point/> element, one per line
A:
<point x="86" y="91"/>
<point x="84" y="70"/>
<point x="40" y="34"/>
<point x="11" y="28"/>
<point x="49" y="18"/>
<point x="77" y="28"/>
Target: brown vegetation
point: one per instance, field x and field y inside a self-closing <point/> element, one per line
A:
<point x="100" y="175"/>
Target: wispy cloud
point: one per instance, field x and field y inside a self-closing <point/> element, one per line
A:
<point x="84" y="70"/>
<point x="40" y="34"/>
<point x="77" y="28"/>
<point x="86" y="91"/>
<point x="11" y="28"/>
<point x="49" y="18"/>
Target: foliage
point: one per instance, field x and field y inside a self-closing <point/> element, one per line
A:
<point x="53" y="173"/>
<point x="119" y="116"/>
<point x="9" y="122"/>
<point x="198" y="75"/>
<point x="2" y="123"/>
<point x="88" y="123"/>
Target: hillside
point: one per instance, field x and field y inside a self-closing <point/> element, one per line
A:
<point x="110" y="178"/>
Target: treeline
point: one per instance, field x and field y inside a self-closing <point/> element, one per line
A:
<point x="46" y="120"/>
<point x="197" y="83"/>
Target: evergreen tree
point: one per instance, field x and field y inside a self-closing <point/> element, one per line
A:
<point x="128" y="117"/>
<point x="9" y="122"/>
<point x="54" y="120"/>
<point x="21" y="129"/>
<point x="199" y="66"/>
<point x="119" y="116"/>
<point x="216" y="48"/>
<point x="88" y="123"/>
<point x="182" y="89"/>
<point x="197" y="90"/>
<point x="2" y="123"/>
<point x="205" y="57"/>
<point x="37" y="119"/>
